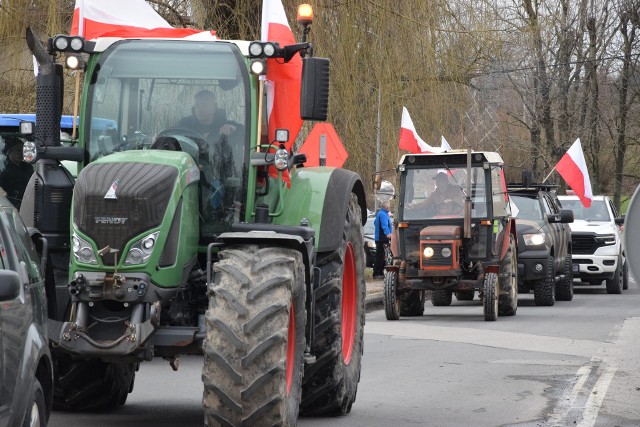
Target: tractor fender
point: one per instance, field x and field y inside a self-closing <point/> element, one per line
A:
<point x="336" y="202"/>
<point x="270" y="234"/>
<point x="510" y="230"/>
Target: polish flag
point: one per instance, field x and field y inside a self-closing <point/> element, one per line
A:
<point x="283" y="80"/>
<point x="573" y="168"/>
<point x="444" y="145"/>
<point x="409" y="139"/>
<point x="126" y="18"/>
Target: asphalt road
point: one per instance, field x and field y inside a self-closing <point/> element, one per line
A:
<point x="574" y="364"/>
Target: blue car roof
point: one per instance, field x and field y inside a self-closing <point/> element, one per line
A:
<point x="66" y="122"/>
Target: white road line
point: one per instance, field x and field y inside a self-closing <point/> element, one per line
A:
<point x="567" y="400"/>
<point x="592" y="407"/>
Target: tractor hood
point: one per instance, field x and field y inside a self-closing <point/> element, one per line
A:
<point x="125" y="194"/>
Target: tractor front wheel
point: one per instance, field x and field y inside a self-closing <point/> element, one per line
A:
<point x="254" y="349"/>
<point x="490" y="297"/>
<point x="330" y="384"/>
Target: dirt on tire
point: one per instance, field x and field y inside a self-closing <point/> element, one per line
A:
<point x="252" y="370"/>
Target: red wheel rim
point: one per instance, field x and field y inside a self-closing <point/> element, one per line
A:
<point x="349" y="301"/>
<point x="291" y="349"/>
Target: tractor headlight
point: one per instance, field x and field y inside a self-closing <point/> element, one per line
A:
<point x="255" y="49"/>
<point x="269" y="49"/>
<point x="536" y="239"/>
<point x="141" y="250"/>
<point x="371" y="244"/>
<point x="428" y="252"/>
<point x="82" y="250"/>
<point x="29" y="152"/>
<point x="281" y="159"/>
<point x="446" y="252"/>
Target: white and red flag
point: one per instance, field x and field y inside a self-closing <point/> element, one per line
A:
<point x="444" y="144"/>
<point x="283" y="80"/>
<point x="573" y="168"/>
<point x="409" y="138"/>
<point x="126" y="18"/>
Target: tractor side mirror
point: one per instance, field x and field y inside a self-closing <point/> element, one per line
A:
<point x="314" y="91"/>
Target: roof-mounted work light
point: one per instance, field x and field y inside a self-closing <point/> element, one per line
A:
<point x="62" y="43"/>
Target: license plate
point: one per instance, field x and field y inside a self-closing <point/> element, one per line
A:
<point x="576" y="268"/>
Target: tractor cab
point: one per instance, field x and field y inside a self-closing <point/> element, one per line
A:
<point x="453" y="223"/>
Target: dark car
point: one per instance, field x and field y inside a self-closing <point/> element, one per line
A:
<point x="26" y="373"/>
<point x="544" y="243"/>
<point x="369" y="241"/>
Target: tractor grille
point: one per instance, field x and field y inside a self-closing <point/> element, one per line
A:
<point x="437" y="260"/>
<point x="142" y="195"/>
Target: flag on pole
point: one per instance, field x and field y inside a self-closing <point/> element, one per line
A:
<point x="573" y="168"/>
<point x="126" y="18"/>
<point x="283" y="81"/>
<point x="409" y="138"/>
<point x="444" y="145"/>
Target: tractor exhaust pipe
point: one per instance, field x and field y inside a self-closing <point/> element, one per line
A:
<point x="467" y="200"/>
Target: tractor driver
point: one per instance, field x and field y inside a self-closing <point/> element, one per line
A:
<point x="207" y="118"/>
<point x="446" y="199"/>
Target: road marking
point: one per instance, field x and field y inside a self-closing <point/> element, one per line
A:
<point x="565" y="403"/>
<point x="596" y="397"/>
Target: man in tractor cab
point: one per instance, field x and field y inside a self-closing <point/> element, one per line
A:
<point x="207" y="118"/>
<point x="447" y="199"/>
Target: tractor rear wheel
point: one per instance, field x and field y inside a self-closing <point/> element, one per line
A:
<point x="254" y="349"/>
<point x="412" y="303"/>
<point x="564" y="287"/>
<point x="508" y="293"/>
<point x="91" y="384"/>
<point x="330" y="384"/>
<point x="490" y="297"/>
<point x="391" y="300"/>
<point x="544" y="292"/>
<point x="441" y="298"/>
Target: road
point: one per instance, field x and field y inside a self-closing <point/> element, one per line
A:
<point x="574" y="364"/>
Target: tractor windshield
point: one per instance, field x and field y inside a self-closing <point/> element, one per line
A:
<point x="432" y="193"/>
<point x="176" y="95"/>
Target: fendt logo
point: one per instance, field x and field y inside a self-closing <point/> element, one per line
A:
<point x="110" y="220"/>
<point x="111" y="194"/>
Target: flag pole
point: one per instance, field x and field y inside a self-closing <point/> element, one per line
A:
<point x="544" y="180"/>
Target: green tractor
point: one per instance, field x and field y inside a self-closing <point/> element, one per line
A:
<point x="172" y="242"/>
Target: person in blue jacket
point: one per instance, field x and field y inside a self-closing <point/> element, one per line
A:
<point x="382" y="235"/>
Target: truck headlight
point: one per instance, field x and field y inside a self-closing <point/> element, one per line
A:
<point x="536" y="239"/>
<point x="82" y="250"/>
<point x="606" y="239"/>
<point x="141" y="250"/>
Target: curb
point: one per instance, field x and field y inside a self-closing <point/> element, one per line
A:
<point x="373" y="302"/>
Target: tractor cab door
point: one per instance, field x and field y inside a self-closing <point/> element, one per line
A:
<point x="501" y="209"/>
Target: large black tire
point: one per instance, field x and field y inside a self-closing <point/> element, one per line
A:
<point x="564" y="287"/>
<point x="544" y="291"/>
<point x="614" y="285"/>
<point x="330" y="384"/>
<point x="625" y="276"/>
<point x="412" y="303"/>
<point x="508" y="280"/>
<point x="391" y="300"/>
<point x="91" y="385"/>
<point x="490" y="297"/>
<point x="36" y="414"/>
<point x="254" y="350"/>
<point x="465" y="295"/>
<point x="441" y="298"/>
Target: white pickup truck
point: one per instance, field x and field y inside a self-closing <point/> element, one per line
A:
<point x="596" y="243"/>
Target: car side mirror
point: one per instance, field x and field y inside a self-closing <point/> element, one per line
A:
<point x="619" y="221"/>
<point x="10" y="284"/>
<point x="566" y="216"/>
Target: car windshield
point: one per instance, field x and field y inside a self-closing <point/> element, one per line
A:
<point x="525" y="207"/>
<point x="440" y="193"/>
<point x="597" y="212"/>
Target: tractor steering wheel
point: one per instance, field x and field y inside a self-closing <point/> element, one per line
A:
<point x="195" y="137"/>
<point x="449" y="207"/>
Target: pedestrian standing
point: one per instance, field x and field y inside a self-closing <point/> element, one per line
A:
<point x="383" y="228"/>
